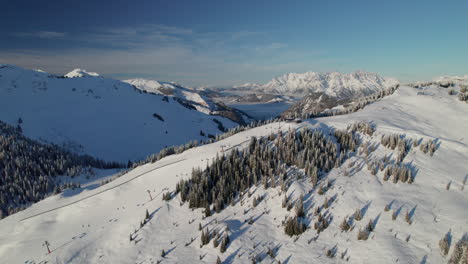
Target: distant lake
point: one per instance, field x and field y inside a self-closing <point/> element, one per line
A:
<point x="262" y="111"/>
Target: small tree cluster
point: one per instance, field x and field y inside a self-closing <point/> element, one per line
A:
<point x="399" y="172"/>
<point x="392" y="141"/>
<point x="460" y="252"/>
<point x="429" y="146"/>
<point x="463" y="97"/>
<point x="321" y="224"/>
<point x="294" y="226"/>
<point x="363" y="127"/>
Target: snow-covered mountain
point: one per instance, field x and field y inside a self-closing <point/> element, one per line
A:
<point x="196" y="98"/>
<point x="354" y="214"/>
<point x="333" y="84"/>
<point x="80" y="73"/>
<point x="106" y="118"/>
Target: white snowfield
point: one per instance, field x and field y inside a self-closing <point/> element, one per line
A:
<point x="335" y="84"/>
<point x="97" y="229"/>
<point x="106" y="118"/>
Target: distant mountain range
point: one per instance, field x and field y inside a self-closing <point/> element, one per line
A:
<point x="334" y="84"/>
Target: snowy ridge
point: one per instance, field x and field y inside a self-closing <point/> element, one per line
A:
<point x="452" y="79"/>
<point x="105" y="118"/>
<point x="195" y="97"/>
<point x="334" y="84"/>
<point x="202" y="103"/>
<point x="106" y="228"/>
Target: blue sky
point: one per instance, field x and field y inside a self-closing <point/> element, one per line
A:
<point x="232" y="42"/>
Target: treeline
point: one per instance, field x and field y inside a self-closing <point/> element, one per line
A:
<point x="28" y="169"/>
<point x="265" y="162"/>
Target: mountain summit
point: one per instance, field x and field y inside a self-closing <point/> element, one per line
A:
<point x="80" y="73"/>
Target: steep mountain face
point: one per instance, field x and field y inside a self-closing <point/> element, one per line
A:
<point x="333" y="84"/>
<point x="314" y="103"/>
<point x="105" y="118"/>
<point x="325" y="91"/>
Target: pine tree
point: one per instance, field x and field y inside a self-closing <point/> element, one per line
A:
<point x="300" y="207"/>
<point x="284" y="203"/>
<point x="363" y="234"/>
<point x="224" y="243"/>
<point x="444" y="244"/>
<point x="370" y="226"/>
<point x="345" y="225"/>
<point x="358" y="215"/>
<point x="147" y="215"/>
<point x="207" y="211"/>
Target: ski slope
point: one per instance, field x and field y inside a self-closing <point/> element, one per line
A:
<point x="97" y="229"/>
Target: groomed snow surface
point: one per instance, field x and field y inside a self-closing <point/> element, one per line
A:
<point x="97" y="230"/>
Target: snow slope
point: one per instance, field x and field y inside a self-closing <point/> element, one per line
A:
<point x="334" y="84"/>
<point x="97" y="229"/>
<point x="102" y="117"/>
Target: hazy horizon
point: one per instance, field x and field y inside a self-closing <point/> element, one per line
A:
<point x="222" y="44"/>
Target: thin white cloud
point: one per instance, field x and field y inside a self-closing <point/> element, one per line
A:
<point x="42" y="34"/>
<point x="164" y="52"/>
